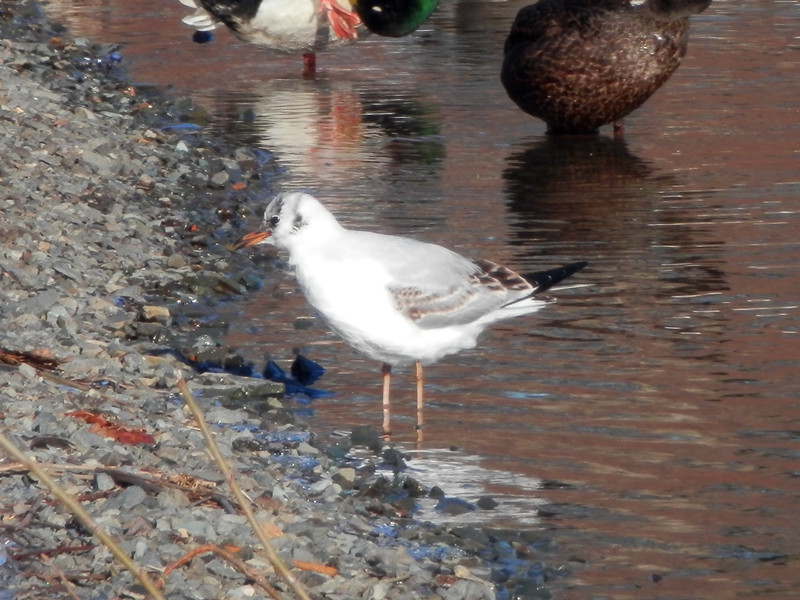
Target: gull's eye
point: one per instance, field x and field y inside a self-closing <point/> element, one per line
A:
<point x="274" y="220"/>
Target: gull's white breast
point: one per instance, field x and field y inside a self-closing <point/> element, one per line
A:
<point x="348" y="281"/>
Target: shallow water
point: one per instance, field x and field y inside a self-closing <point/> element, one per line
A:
<point x="650" y="420"/>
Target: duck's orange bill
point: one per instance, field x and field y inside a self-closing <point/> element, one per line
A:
<point x="251" y="239"/>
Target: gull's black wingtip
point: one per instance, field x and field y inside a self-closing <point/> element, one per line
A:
<point x="544" y="280"/>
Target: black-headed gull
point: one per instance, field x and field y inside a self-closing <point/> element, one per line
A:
<point x="396" y="299"/>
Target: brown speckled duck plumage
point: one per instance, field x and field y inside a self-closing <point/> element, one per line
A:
<point x="580" y="64"/>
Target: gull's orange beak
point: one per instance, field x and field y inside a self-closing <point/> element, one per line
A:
<point x="251" y="239"/>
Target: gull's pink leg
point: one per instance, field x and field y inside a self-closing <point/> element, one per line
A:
<point x="387" y="380"/>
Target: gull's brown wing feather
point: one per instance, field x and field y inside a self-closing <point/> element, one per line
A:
<point x="487" y="288"/>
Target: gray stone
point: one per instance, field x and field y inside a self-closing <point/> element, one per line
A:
<point x="126" y="500"/>
<point x="27" y="371"/>
<point x="345" y="477"/>
<point x="219" y="179"/>
<point x="465" y="589"/>
<point x="103" y="482"/>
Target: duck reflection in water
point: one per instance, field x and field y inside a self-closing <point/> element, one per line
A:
<point x="331" y="132"/>
<point x="562" y="172"/>
<point x="575" y="191"/>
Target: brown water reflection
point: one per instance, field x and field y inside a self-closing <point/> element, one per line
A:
<point x="652" y="416"/>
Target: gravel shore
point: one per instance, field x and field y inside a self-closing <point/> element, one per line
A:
<point x="116" y="212"/>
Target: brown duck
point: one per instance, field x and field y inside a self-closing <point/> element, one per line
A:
<point x="580" y="64"/>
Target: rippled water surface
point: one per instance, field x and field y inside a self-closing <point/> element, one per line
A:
<point x="650" y="420"/>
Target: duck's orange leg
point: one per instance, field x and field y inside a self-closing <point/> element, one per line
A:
<point x="343" y="21"/>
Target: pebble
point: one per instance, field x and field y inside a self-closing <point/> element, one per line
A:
<point x="103" y="482"/>
<point x="27" y="371"/>
<point x="158" y="314"/>
<point x="345" y="477"/>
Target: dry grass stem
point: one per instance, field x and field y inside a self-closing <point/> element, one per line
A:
<point x="227" y="473"/>
<point x="76" y="509"/>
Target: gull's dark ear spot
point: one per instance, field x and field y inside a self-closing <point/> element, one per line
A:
<point x="298" y="221"/>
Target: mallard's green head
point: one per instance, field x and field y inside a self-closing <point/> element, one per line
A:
<point x="393" y="18"/>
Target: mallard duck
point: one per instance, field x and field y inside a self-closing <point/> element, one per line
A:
<point x="307" y="25"/>
<point x="286" y="25"/>
<point x="580" y="64"/>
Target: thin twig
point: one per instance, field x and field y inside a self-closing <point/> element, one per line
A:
<point x="239" y="564"/>
<point x="226" y="555"/>
<point x="82" y="387"/>
<point x="54" y="551"/>
<point x="148" y="482"/>
<point x="25" y="520"/>
<point x="68" y="585"/>
<point x="316" y="567"/>
<point x="227" y="473"/>
<point x="77" y="510"/>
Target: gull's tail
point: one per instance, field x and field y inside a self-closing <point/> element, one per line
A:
<point x="544" y="280"/>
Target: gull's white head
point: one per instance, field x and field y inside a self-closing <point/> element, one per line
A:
<point x="291" y="218"/>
